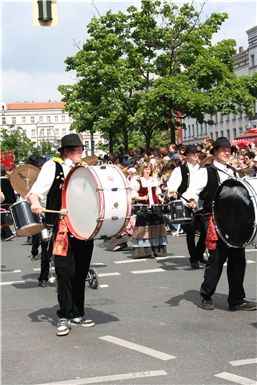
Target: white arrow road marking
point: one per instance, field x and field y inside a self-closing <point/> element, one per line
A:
<point x="113" y="378"/>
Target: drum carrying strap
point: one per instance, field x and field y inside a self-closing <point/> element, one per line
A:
<point x="61" y="243"/>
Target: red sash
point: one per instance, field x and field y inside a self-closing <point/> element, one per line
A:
<point x="61" y="243"/>
<point x="211" y="236"/>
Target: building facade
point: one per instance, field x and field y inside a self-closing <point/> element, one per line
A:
<point x="45" y="121"/>
<point x="230" y="125"/>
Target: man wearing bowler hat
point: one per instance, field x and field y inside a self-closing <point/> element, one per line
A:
<point x="71" y="256"/>
<point x="204" y="187"/>
<point x="177" y="185"/>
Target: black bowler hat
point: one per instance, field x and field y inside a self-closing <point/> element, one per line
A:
<point x="222" y="141"/>
<point x="70" y="140"/>
<point x="190" y="149"/>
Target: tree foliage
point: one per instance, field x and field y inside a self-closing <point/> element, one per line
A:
<point x="139" y="70"/>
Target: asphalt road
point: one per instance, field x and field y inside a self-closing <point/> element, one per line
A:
<point x="149" y="326"/>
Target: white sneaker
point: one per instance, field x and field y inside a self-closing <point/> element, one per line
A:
<point x="82" y="321"/>
<point x="63" y="327"/>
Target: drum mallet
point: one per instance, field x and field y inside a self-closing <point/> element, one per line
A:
<point x="61" y="212"/>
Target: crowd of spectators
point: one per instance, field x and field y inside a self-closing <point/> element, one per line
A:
<point x="165" y="159"/>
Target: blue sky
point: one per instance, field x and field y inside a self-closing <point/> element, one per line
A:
<point x="33" y="57"/>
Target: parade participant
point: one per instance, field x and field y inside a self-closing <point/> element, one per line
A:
<point x="204" y="187"/>
<point x="177" y="185"/>
<point x="37" y="239"/>
<point x="149" y="236"/>
<point x="71" y="256"/>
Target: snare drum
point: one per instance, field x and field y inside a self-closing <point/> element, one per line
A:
<point x="138" y="208"/>
<point x="159" y="209"/>
<point x="25" y="222"/>
<point x="98" y="201"/>
<point x="235" y="211"/>
<point x="6" y="218"/>
<point x="180" y="213"/>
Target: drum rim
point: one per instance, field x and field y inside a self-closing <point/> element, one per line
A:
<point x="251" y="197"/>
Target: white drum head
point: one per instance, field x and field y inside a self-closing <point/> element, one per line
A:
<point x="81" y="200"/>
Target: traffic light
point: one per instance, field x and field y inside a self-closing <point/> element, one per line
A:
<point x="45" y="13"/>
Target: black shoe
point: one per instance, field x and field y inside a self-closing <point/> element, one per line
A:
<point x="42" y="283"/>
<point x="246" y="306"/>
<point x="195" y="265"/>
<point x="207" y="304"/>
<point x="202" y="261"/>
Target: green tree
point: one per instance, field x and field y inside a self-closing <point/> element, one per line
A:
<point x="140" y="70"/>
<point x="16" y="140"/>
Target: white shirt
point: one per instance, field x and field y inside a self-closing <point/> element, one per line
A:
<point x="176" y="177"/>
<point x="46" y="177"/>
<point x="201" y="179"/>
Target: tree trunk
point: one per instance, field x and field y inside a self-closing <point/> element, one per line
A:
<point x="125" y="139"/>
<point x="110" y="142"/>
<point x="92" y="143"/>
<point x="148" y="137"/>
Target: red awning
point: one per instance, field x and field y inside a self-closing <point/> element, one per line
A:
<point x="246" y="138"/>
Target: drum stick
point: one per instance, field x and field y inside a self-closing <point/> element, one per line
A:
<point x="187" y="200"/>
<point x="61" y="212"/>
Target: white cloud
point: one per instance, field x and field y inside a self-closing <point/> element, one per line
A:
<point x="36" y="86"/>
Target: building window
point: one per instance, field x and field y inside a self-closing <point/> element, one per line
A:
<point x="221" y="118"/>
<point x="212" y="135"/>
<point x="216" y="135"/>
<point x="40" y="119"/>
<point x="48" y="132"/>
<point x="193" y="130"/>
<point x="216" y="118"/>
<point x="234" y="132"/>
<point x="32" y="119"/>
<point x="64" y="131"/>
<point x="189" y="131"/>
<point x="240" y="130"/>
<point x="33" y="133"/>
<point x="48" y="119"/>
<point x="240" y="115"/>
<point x="41" y="132"/>
<point x="252" y="61"/>
<point x="221" y="133"/>
<point x="227" y="120"/>
<point x="23" y="119"/>
<point x="63" y="118"/>
<point x="3" y="120"/>
<point x="13" y="120"/>
<point x="57" y="131"/>
<point x="205" y="128"/>
<point x="234" y="117"/>
<point x="228" y="134"/>
<point x="56" y="119"/>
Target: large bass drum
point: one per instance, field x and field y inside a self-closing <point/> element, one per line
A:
<point x="98" y="201"/>
<point x="235" y="211"/>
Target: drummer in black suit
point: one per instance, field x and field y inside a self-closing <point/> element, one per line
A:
<point x="71" y="256"/>
<point x="204" y="187"/>
<point x="177" y="185"/>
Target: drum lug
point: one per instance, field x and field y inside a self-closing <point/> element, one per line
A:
<point x="115" y="218"/>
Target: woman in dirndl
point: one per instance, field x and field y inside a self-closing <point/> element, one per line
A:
<point x="149" y="236"/>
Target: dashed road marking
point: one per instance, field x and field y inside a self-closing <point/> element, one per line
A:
<point x="113" y="378"/>
<point x="108" y="274"/>
<point x="248" y="361"/>
<point x="139" y="348"/>
<point x="250" y="250"/>
<point x="130" y="260"/>
<point x="235" y="379"/>
<point x="103" y="286"/>
<point x="148" y="271"/>
<point x="10" y="271"/>
<point x="170" y="257"/>
<point x="11" y="283"/>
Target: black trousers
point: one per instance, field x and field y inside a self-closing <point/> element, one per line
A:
<point x="196" y="247"/>
<point x="71" y="272"/>
<point x="236" y="264"/>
